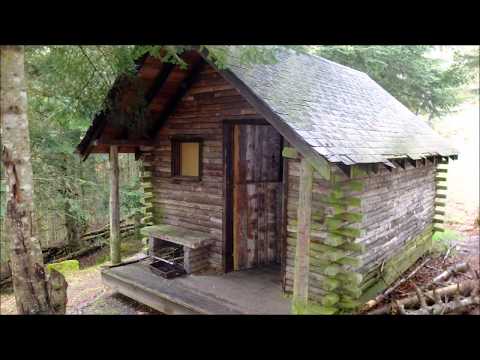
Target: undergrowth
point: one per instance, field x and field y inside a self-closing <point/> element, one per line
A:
<point x="128" y="246"/>
<point x="442" y="241"/>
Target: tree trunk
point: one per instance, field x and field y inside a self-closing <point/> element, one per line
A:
<point x="32" y="289"/>
<point x="74" y="227"/>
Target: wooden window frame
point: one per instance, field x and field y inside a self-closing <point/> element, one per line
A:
<point x="176" y="142"/>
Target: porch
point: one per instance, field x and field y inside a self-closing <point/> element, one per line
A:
<point x="254" y="291"/>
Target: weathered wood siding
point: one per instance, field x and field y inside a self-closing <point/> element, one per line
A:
<point x="396" y="209"/>
<point x="257" y="195"/>
<point x="198" y="205"/>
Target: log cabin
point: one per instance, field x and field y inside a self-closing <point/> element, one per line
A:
<point x="299" y="187"/>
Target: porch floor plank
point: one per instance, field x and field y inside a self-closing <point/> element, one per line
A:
<point x="255" y="291"/>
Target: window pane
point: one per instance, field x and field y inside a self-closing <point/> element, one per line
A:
<point x="190" y="157"/>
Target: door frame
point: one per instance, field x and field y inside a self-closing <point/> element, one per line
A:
<point x="228" y="126"/>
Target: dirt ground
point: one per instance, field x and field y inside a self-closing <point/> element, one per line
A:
<point x="88" y="296"/>
<point x="86" y="293"/>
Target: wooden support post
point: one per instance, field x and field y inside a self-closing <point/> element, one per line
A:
<point x="115" y="256"/>
<point x="302" y="252"/>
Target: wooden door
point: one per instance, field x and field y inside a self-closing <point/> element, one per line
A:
<point x="257" y="194"/>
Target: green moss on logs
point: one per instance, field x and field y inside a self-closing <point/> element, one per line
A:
<point x="65" y="266"/>
<point x="333" y="224"/>
<point x="354" y="292"/>
<point x="289" y="153"/>
<point x="350" y="278"/>
<point x="330" y="283"/>
<point x="349" y="304"/>
<point x="353" y="217"/>
<point x="346" y="231"/>
<point x="351" y="261"/>
<point x="319" y="262"/>
<point x="310" y="308"/>
<point x="333" y="255"/>
<point x="332" y="270"/>
<point x="352" y="185"/>
<point x="396" y="265"/>
<point x="356" y="171"/>
<point x="355" y="247"/>
<point x="334" y="240"/>
<point x="329" y="299"/>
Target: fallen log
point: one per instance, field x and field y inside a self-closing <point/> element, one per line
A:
<point x="442" y="307"/>
<point x="79" y="253"/>
<point x="462" y="288"/>
<point x="460" y="267"/>
<point x="106" y="228"/>
<point x="105" y="232"/>
<point x="106" y="235"/>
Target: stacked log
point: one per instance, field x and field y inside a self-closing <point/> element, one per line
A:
<point x="333" y="281"/>
<point x="147" y="187"/>
<point x="440" y="197"/>
<point x="195" y="260"/>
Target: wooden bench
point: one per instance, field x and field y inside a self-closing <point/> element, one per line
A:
<point x="195" y="244"/>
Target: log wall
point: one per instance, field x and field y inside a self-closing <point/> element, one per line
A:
<point x="198" y="205"/>
<point x="365" y="231"/>
<point x="398" y="209"/>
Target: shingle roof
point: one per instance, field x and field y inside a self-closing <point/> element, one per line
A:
<point x="340" y="112"/>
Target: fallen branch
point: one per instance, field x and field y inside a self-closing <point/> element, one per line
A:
<point x="460" y="267"/>
<point x="448" y="253"/>
<point x="442" y="307"/>
<point x="463" y="288"/>
<point x="374" y="302"/>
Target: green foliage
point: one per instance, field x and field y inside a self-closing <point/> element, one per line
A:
<point x="426" y="85"/>
<point x="131" y="196"/>
<point x="442" y="241"/>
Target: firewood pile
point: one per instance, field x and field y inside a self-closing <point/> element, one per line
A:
<point x="443" y="294"/>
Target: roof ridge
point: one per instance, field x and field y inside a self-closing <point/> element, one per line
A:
<point x="321" y="58"/>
